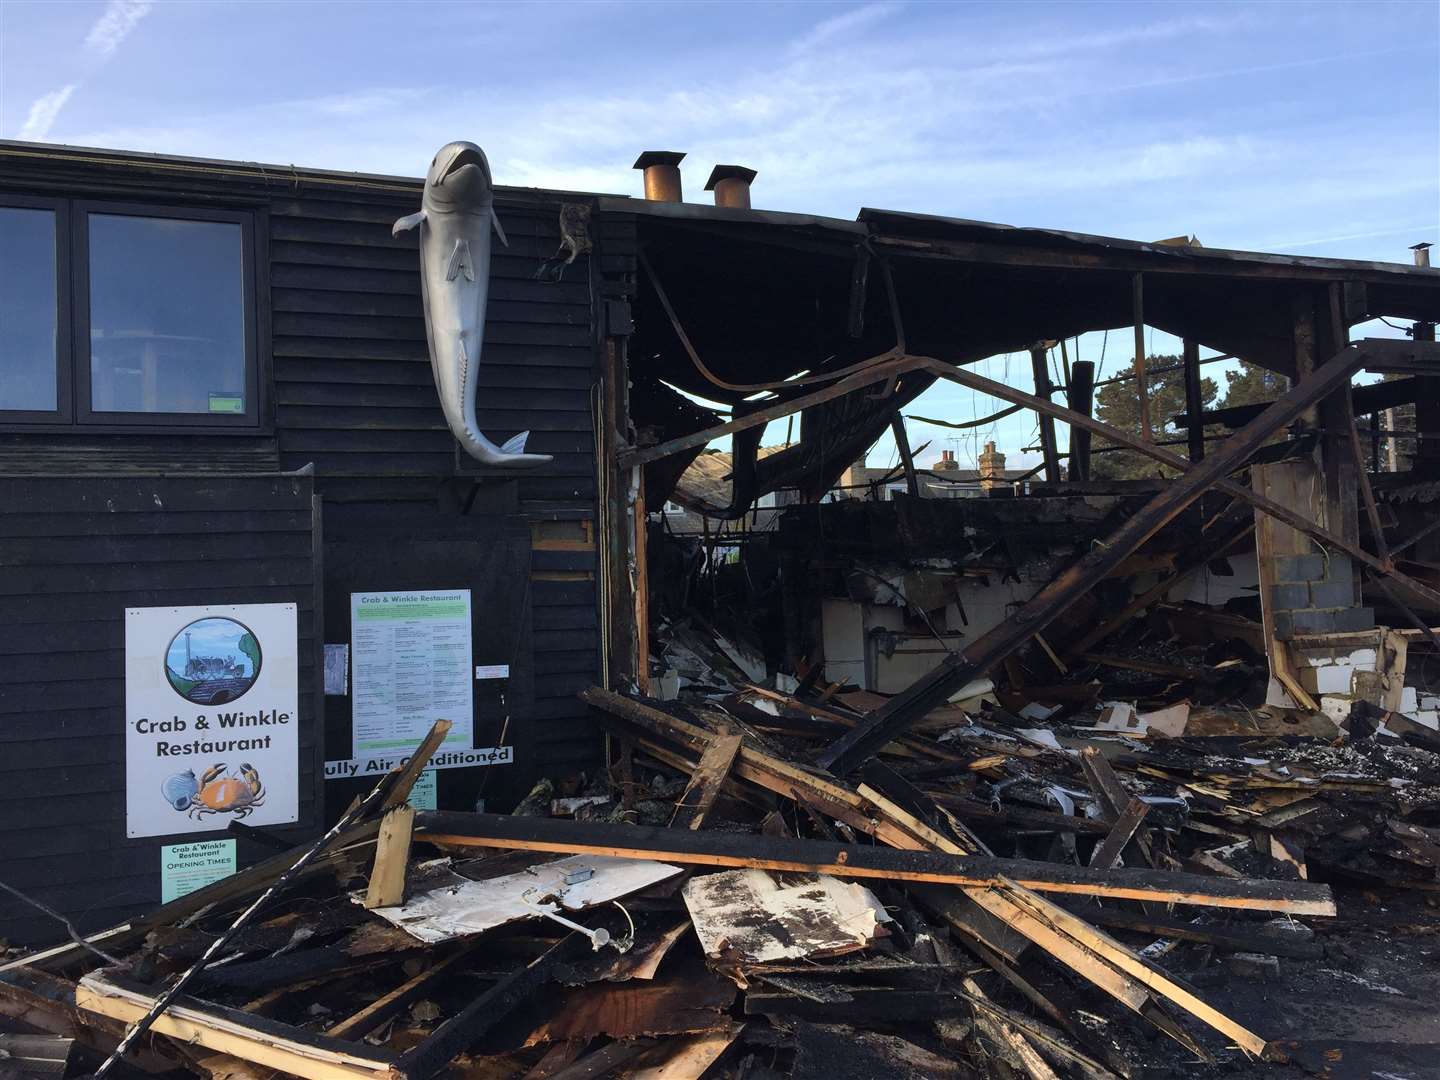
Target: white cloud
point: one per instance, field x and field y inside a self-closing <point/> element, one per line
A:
<point x="43" y="112"/>
<point x="115" y="25"/>
<point x="846" y="23"/>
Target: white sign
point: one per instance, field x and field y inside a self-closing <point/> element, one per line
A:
<point x="187" y="867"/>
<point x="492" y="671"/>
<point x="379" y="765"/>
<point x="211" y="718"/>
<point x="410" y="666"/>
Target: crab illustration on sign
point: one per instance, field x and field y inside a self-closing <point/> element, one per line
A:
<point x="215" y="792"/>
<point x="213" y="661"/>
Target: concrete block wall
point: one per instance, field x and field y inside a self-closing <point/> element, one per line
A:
<point x="1314" y="594"/>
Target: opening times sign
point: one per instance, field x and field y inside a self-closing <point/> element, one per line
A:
<point x="410" y="666"/>
<point x="211" y="718"/>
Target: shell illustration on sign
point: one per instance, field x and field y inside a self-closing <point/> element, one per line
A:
<point x="215" y="792"/>
<point x="456" y="216"/>
<point x="213" y="661"/>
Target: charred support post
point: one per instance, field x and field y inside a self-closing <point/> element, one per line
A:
<point x="1142" y="383"/>
<point x="1080" y="396"/>
<point x="618" y="522"/>
<point x="1427" y="404"/>
<point x="907" y="461"/>
<point x="933" y="689"/>
<point x="1194" y="402"/>
<point x="1040" y="368"/>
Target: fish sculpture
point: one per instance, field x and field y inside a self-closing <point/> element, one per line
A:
<point x="457" y="214"/>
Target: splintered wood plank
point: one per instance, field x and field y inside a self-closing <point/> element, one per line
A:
<point x="1148" y="975"/>
<point x="411" y="770"/>
<point x="381" y="1009"/>
<point x="690" y="1001"/>
<point x="487" y="1011"/>
<point x="684" y="1059"/>
<point x="298" y="1052"/>
<point x="1107" y="852"/>
<point x="706" y="781"/>
<point x="392" y="855"/>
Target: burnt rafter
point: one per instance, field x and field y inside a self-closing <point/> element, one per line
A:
<point x="881" y="726"/>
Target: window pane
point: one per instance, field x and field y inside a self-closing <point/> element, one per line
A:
<point x="167" y="315"/>
<point x="28" y="310"/>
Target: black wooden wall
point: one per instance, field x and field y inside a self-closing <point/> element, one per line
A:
<point x="75" y="552"/>
<point x="355" y="396"/>
<point x="349" y="392"/>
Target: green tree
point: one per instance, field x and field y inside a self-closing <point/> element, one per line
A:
<point x="1251" y="383"/>
<point x="251" y="648"/>
<point x="1118" y="405"/>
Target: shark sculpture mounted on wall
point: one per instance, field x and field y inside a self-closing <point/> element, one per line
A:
<point x="456" y="217"/>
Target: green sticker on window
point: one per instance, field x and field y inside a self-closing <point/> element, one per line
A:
<point x="227" y="403"/>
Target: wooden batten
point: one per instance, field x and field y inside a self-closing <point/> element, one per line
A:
<point x="297" y="1052"/>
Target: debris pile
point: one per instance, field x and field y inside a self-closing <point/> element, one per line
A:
<point x="991" y="896"/>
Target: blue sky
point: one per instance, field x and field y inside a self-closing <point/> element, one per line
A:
<point x="1304" y="127"/>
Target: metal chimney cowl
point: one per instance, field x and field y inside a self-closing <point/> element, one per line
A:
<point x="731" y="184"/>
<point x="661" y="170"/>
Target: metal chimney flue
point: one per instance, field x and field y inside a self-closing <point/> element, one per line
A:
<point x="731" y="184"/>
<point x="661" y="169"/>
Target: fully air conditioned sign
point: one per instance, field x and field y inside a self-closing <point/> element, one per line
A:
<point x="211" y="718"/>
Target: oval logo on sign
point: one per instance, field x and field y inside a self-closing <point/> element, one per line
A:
<point x="213" y="661"/>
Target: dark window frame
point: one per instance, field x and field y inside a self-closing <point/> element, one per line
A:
<point x="64" y="333"/>
<point x="75" y="414"/>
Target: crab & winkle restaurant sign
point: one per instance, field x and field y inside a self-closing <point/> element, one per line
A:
<point x="211" y="718"/>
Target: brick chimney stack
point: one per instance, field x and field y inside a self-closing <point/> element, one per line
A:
<point x="992" y="467"/>
<point x="947" y="462"/>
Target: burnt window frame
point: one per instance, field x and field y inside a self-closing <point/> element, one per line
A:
<point x="75" y="412"/>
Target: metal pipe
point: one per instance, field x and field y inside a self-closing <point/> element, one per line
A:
<point x="661" y="169"/>
<point x="731" y="185"/>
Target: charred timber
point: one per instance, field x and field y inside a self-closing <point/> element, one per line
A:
<point x="853" y="861"/>
<point x="935" y="688"/>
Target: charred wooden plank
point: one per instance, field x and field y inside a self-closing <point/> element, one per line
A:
<point x="706" y="782"/>
<point x="482" y="1015"/>
<point x="991" y="648"/>
<point x="851" y="861"/>
<point x="1225" y="938"/>
<point x="865" y="1007"/>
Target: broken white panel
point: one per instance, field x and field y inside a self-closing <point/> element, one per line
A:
<point x="759" y="916"/>
<point x="1040" y="737"/>
<point x="1169" y="721"/>
<point x="743" y="657"/>
<point x="1277" y="697"/>
<point x="969" y="696"/>
<point x="1121" y="716"/>
<point x="451" y="906"/>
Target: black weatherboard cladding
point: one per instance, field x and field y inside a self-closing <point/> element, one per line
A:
<point x="346" y="387"/>
<point x="355" y="396"/>
<point x="75" y="552"/>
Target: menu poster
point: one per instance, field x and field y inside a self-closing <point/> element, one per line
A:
<point x="410" y="665"/>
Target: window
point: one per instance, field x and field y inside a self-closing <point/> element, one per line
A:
<point x="31" y="324"/>
<point x="116" y="315"/>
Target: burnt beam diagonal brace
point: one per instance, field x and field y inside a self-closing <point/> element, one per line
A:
<point x="1387" y="350"/>
<point x="882" y="368"/>
<point x="933" y="689"/>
